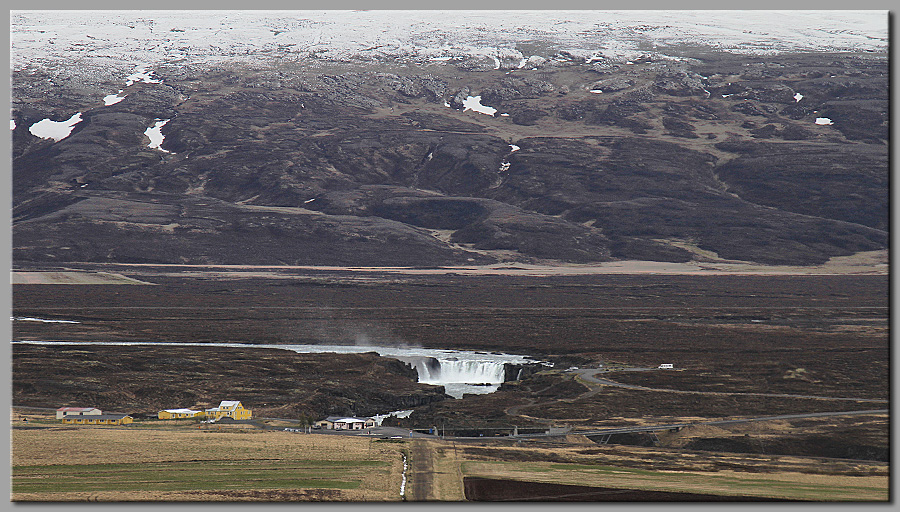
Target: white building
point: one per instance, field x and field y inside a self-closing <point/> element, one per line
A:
<point x="345" y="423"/>
<point x="77" y="411"/>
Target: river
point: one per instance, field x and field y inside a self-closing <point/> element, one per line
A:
<point x="459" y="371"/>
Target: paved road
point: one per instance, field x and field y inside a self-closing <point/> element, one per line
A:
<point x="421" y="472"/>
<point x="374" y="432"/>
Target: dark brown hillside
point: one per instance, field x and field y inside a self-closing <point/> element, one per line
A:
<point x="365" y="161"/>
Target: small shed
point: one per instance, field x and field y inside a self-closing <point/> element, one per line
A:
<point x="326" y="423"/>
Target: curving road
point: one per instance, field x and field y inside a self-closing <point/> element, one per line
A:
<point x="678" y="426"/>
<point x="590" y="375"/>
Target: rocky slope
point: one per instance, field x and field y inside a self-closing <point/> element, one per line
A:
<point x="777" y="160"/>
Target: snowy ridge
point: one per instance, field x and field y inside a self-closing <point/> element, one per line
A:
<point x="126" y="38"/>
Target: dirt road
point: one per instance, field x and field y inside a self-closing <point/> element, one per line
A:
<point x="590" y="375"/>
<point x="421" y="471"/>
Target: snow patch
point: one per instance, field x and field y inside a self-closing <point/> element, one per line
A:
<point x="823" y="121"/>
<point x="379" y="418"/>
<point x="474" y="103"/>
<point x="42" y="320"/>
<point x="155" y="135"/>
<point x="112" y="99"/>
<point x="798" y="97"/>
<point x="403" y="479"/>
<point x="47" y="129"/>
<point x="141" y="75"/>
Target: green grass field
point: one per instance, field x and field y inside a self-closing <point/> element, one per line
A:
<point x="185" y="464"/>
<point x="195" y="476"/>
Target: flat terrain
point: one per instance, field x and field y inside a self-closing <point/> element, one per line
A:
<point x="71" y="278"/>
<point x="744" y="346"/>
<point x="161" y="461"/>
<point x="134" y="464"/>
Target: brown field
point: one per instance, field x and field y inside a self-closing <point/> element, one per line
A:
<point x="246" y="449"/>
<point x="653" y="469"/>
<point x="437" y="467"/>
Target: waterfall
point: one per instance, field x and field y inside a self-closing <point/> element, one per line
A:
<point x="459" y="371"/>
<point x="459" y="376"/>
<point x="450" y="371"/>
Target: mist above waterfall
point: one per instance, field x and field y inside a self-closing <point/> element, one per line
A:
<point x="459" y="371"/>
<point x="329" y="329"/>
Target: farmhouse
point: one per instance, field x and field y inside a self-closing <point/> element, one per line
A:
<point x="345" y="423"/>
<point x="99" y="419"/>
<point x="77" y="411"/>
<point x="230" y="409"/>
<point x="175" y="414"/>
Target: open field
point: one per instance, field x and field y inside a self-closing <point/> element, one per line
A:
<point x="649" y="469"/>
<point x="109" y="464"/>
<point x="869" y="262"/>
<point x="733" y="484"/>
<point x="128" y="464"/>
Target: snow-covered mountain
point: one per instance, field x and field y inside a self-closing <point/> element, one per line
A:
<point x="130" y="37"/>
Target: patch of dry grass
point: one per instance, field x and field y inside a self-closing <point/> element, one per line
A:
<point x="254" y="450"/>
<point x="778" y="485"/>
<point x="666" y="470"/>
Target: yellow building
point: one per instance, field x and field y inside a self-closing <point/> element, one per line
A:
<point x="99" y="419"/>
<point x="177" y="414"/>
<point x="230" y="409"/>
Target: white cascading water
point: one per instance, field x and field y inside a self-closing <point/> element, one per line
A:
<point x="459" y="371"/>
<point x="459" y="376"/>
<point x="471" y="372"/>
